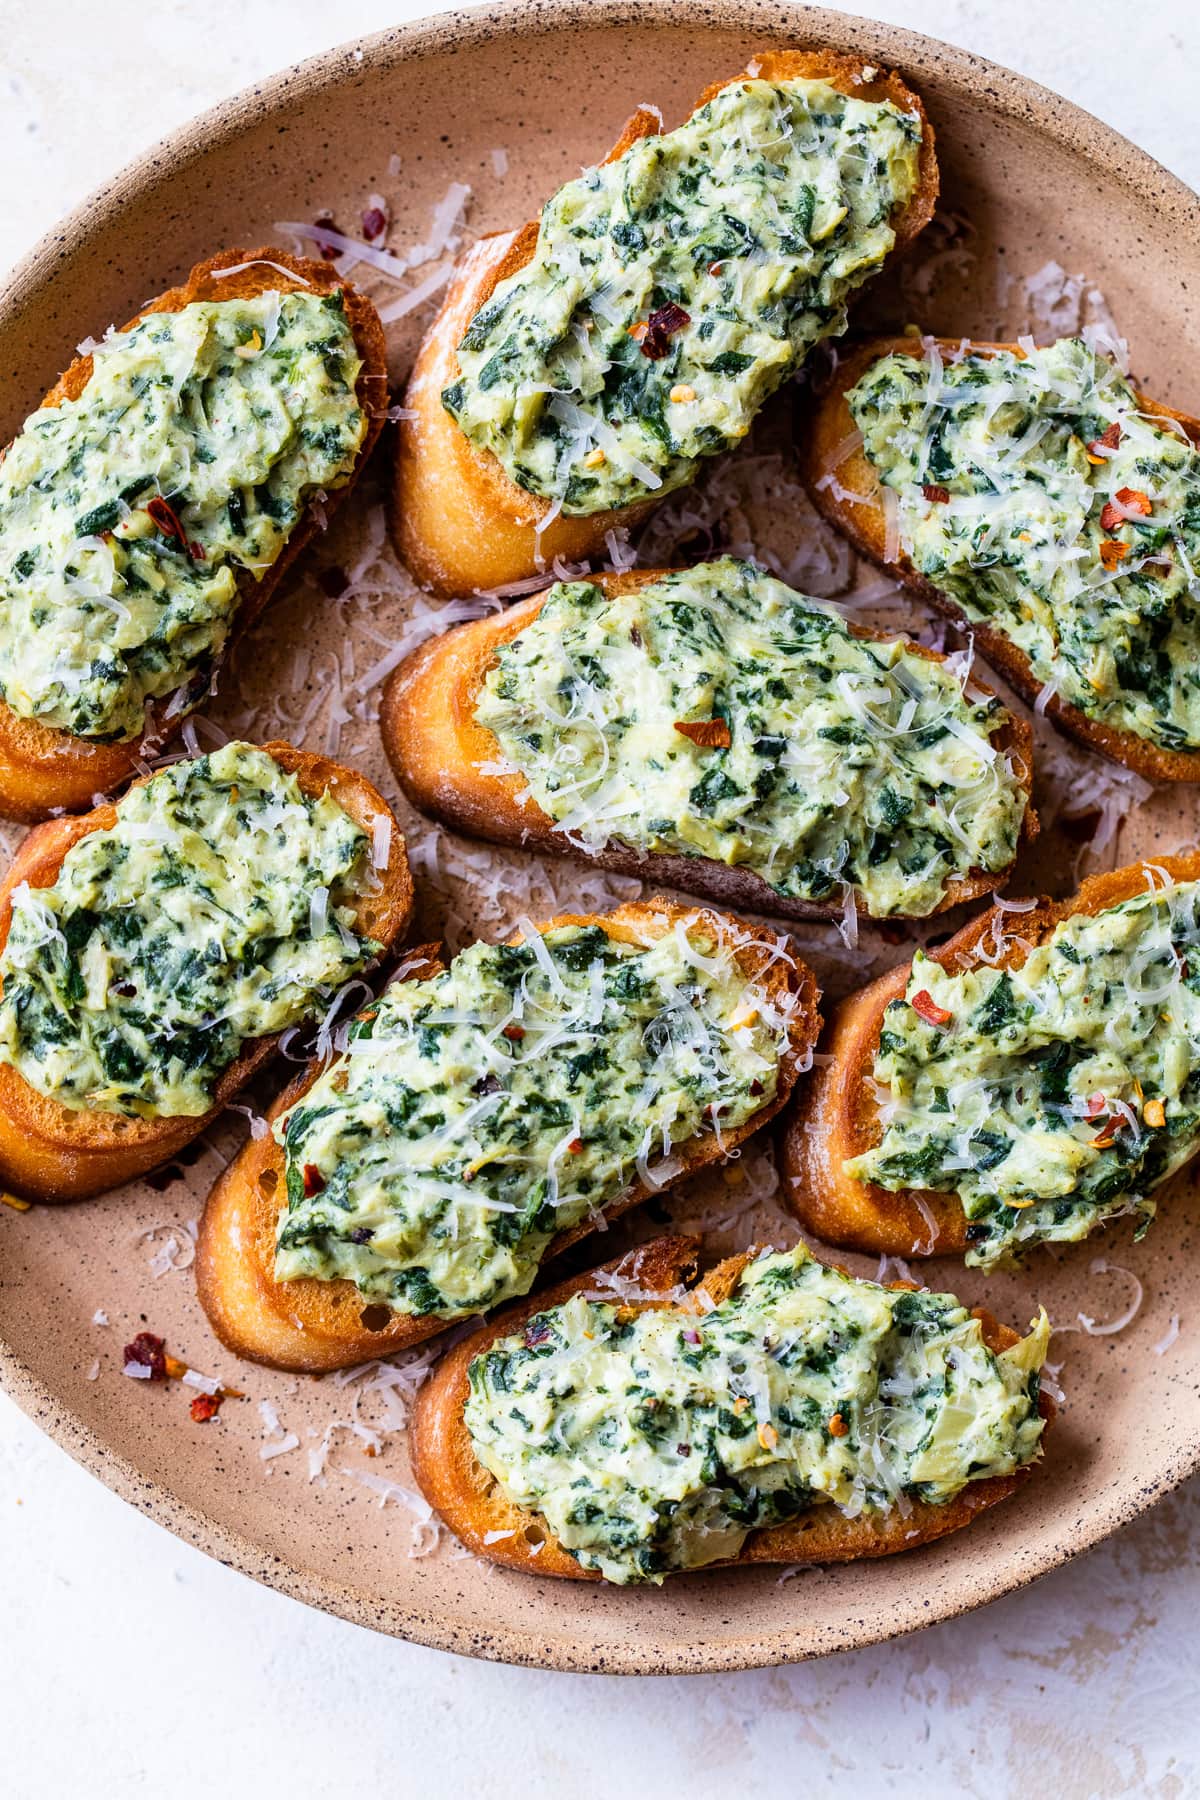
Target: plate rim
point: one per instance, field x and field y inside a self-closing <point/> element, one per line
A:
<point x="1019" y="98"/>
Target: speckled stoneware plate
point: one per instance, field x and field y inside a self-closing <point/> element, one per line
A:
<point x="305" y="1483"/>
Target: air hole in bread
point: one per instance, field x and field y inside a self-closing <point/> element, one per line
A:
<point x="375" y="1318"/>
<point x="533" y="1534"/>
<point x="268" y="1181"/>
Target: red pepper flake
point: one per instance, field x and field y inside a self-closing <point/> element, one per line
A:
<point x="1108" y="440"/>
<point x="1096" y="1105"/>
<point x="575" y="1146"/>
<point x="714" y="268"/>
<point x="838" y="1426"/>
<point x="314" y="1181"/>
<point x="656" y="333"/>
<point x="1109" y="1135"/>
<point x="167" y="519"/>
<point x="333" y="582"/>
<point x="1124" y="502"/>
<point x="148" y="1352"/>
<point x="536" y="1332"/>
<point x="328" y="253"/>
<point x="683" y="1449"/>
<point x="514" y="1033"/>
<point x="1112" y="552"/>
<point x="374" y="223"/>
<point x="691" y="1336"/>
<point x="206" y="1407"/>
<point x="709" y="734"/>
<point x="928" y="1008"/>
<point x="933" y="490"/>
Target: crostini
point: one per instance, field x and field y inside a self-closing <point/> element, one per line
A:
<point x="711" y="729"/>
<point x="1036" y="1076"/>
<point x="626" y="1426"/>
<point x="485" y="1116"/>
<point x="1043" y="502"/>
<point x="152" y="951"/>
<point x="153" y="504"/>
<point x="583" y="365"/>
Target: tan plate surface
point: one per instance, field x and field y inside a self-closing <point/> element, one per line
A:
<point x="550" y="85"/>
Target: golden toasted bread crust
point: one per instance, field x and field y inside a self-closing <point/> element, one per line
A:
<point x="53" y="1152"/>
<point x="458" y="521"/>
<point x="475" y="1508"/>
<point x="436" y="746"/>
<point x="825" y="427"/>
<point x="310" y="1325"/>
<point x="837" y="1116"/>
<point x="44" y="770"/>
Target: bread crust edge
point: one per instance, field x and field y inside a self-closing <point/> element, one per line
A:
<point x="309" y="1325"/>
<point x="52" y="1152"/>
<point x="45" y="770"/>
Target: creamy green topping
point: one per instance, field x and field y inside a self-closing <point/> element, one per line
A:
<point x="217" y="909"/>
<point x="127" y="515"/>
<point x="851" y="766"/>
<point x="658" y="1440"/>
<point x="672" y="291"/>
<point x="525" y="1088"/>
<point x="1039" y="496"/>
<point x="1054" y="1096"/>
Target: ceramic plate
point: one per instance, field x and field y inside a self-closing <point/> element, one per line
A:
<point x="304" y="1484"/>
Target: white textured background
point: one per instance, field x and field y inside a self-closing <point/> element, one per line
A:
<point x="129" y="1664"/>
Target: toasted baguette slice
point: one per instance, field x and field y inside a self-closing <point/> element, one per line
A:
<point x="458" y="521"/>
<point x="310" y="1325"/>
<point x="826" y="427"/>
<point x="45" y="770"/>
<point x="435" y="746"/>
<point x="53" y="1152"/>
<point x="476" y="1509"/>
<point x="838" y="1116"/>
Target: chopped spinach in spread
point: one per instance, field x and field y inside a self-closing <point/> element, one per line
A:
<point x="1035" y="491"/>
<point x="1055" y="1096"/>
<point x="479" y="1112"/>
<point x="127" y="515"/>
<point x="657" y="1440"/>
<point x="215" y="910"/>
<point x="850" y="764"/>
<point x="672" y="291"/>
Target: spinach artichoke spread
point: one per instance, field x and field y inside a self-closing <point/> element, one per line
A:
<point x="479" y="1112"/>
<point x="128" y="514"/>
<point x="717" y="713"/>
<point x="673" y="290"/>
<point x="215" y="910"/>
<point x="1055" y="1096"/>
<point x="1035" y="490"/>
<point x="658" y="1440"/>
